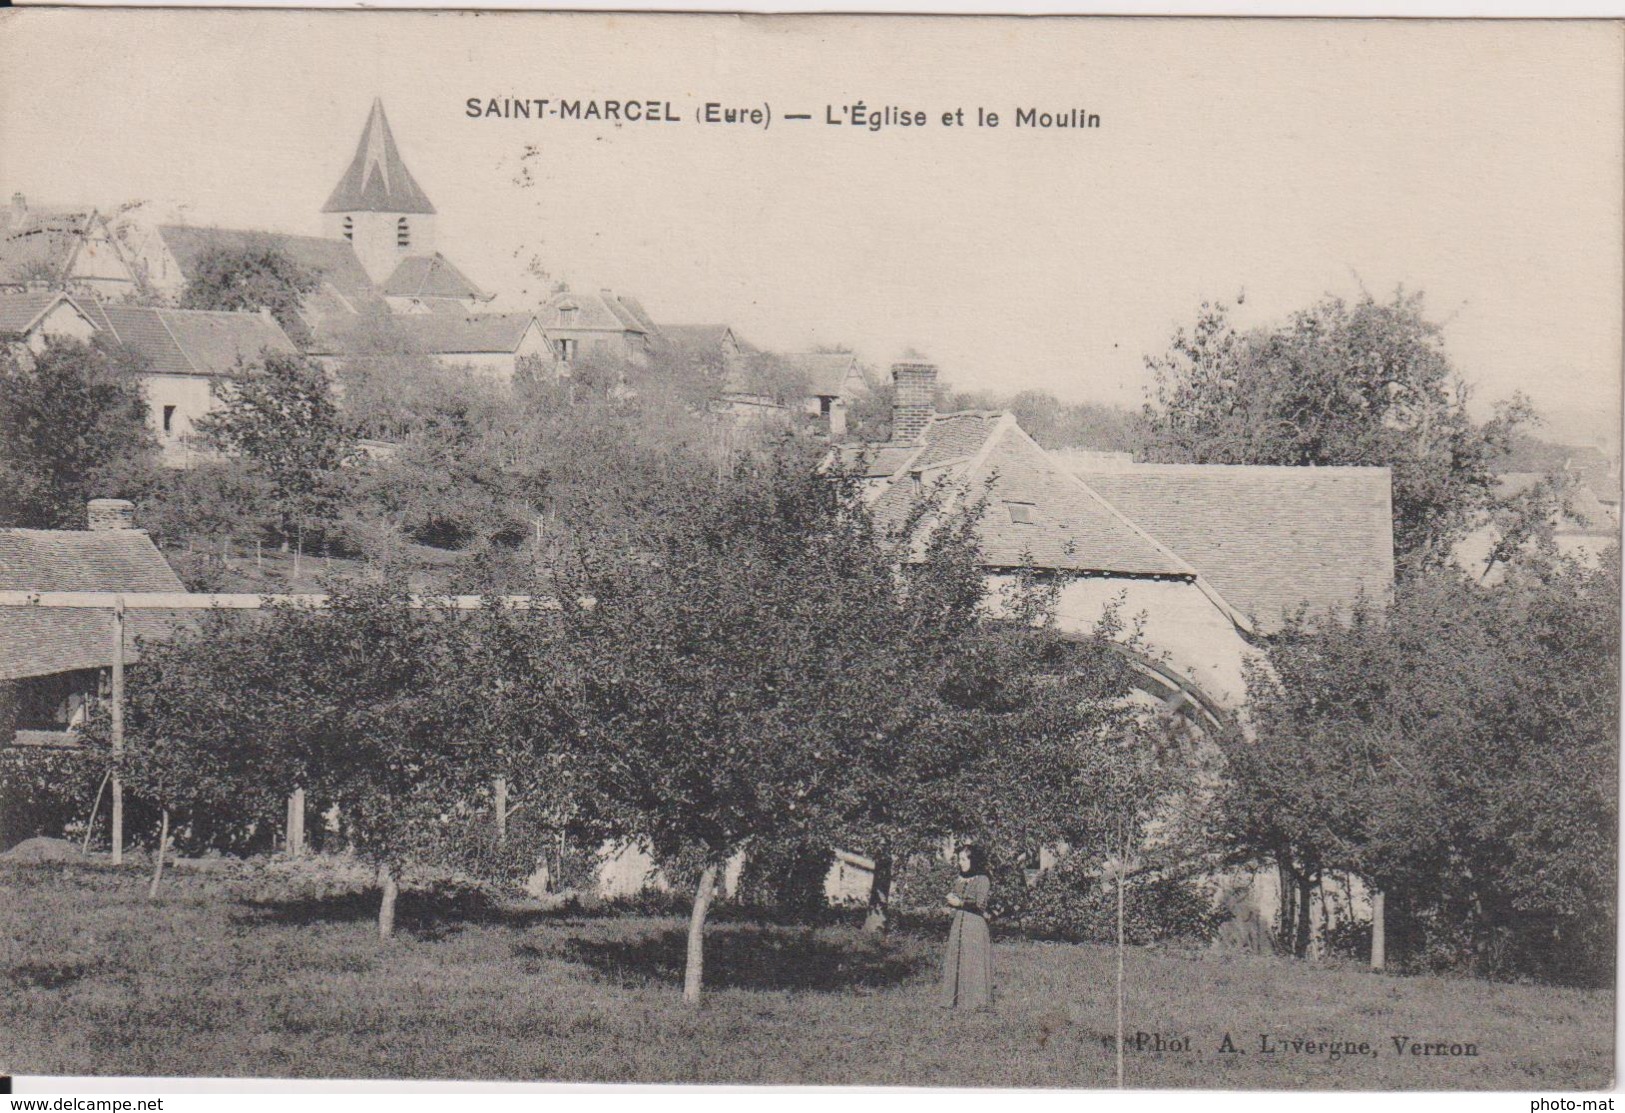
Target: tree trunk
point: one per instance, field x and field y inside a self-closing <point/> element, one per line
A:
<point x="1306" y="889"/>
<point x="694" y="972"/>
<point x="879" y="918"/>
<point x="158" y="866"/>
<point x="1379" y="930"/>
<point x="1287" y="884"/>
<point x="386" y="905"/>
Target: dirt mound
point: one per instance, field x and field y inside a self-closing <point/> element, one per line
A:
<point x="40" y="849"/>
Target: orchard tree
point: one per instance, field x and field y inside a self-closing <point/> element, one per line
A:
<point x="249" y="277"/>
<point x="1457" y="752"/>
<point x="369" y="704"/>
<point x="768" y="671"/>
<point x="284" y="424"/>
<point x="1367" y="383"/>
<point x="75" y="428"/>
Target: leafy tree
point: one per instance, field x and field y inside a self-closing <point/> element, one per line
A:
<point x="1457" y="752"/>
<point x="767" y="673"/>
<point x="1367" y="383"/>
<point x="75" y="429"/>
<point x="285" y="424"/>
<point x="368" y="704"/>
<point x="254" y="276"/>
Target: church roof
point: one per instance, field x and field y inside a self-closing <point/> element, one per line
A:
<point x="377" y="180"/>
<point x="429" y="276"/>
<point x="344" y="289"/>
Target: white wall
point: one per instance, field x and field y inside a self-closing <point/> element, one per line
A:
<point x="1182" y="628"/>
<point x="192" y="396"/>
<point x="62" y="322"/>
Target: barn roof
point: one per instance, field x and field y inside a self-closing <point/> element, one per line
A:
<point x="1269" y="539"/>
<point x="377" y="180"/>
<point x="41" y="641"/>
<point x="192" y="341"/>
<point x="827" y="372"/>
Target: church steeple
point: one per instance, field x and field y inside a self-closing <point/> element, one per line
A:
<point x="377" y="180"/>
<point x="378" y="206"/>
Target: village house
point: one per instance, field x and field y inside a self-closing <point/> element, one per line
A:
<point x="62" y="248"/>
<point x="54" y="661"/>
<point x="182" y="354"/>
<point x="494" y="345"/>
<point x="603" y="324"/>
<point x="834" y="381"/>
<point x="1213" y="558"/>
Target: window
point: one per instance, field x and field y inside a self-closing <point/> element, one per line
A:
<point x="565" y="348"/>
<point x="349" y="228"/>
<point x="169" y="419"/>
<point x="403" y="233"/>
<point x="1021" y="513"/>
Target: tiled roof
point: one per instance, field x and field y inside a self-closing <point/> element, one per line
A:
<point x="429" y="276"/>
<point x="827" y="372"/>
<point x="442" y="333"/>
<point x="191" y="341"/>
<point x="601" y="311"/>
<point x="377" y="180"/>
<point x="345" y="286"/>
<point x="1064" y="525"/>
<point x="697" y="338"/>
<point x="1267" y="538"/>
<point x="41" y="244"/>
<point x="19" y="312"/>
<point x="38" y="642"/>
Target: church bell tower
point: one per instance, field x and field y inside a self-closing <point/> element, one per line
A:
<point x="377" y="205"/>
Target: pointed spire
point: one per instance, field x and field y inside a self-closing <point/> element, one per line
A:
<point x="377" y="180"/>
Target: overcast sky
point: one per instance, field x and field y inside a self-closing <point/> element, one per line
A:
<point x="1480" y="163"/>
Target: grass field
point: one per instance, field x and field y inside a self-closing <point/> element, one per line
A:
<point x="207" y="982"/>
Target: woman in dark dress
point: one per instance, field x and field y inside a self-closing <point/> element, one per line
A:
<point x="967" y="975"/>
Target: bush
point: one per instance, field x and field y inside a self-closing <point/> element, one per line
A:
<point x="1070" y="903"/>
<point x="47" y="791"/>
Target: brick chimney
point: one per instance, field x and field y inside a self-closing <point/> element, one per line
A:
<point x="108" y="515"/>
<point x="19" y="210"/>
<point x="915" y="403"/>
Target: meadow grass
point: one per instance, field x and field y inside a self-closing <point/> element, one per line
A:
<point x="206" y="981"/>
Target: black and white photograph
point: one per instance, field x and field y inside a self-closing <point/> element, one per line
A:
<point x="810" y="551"/>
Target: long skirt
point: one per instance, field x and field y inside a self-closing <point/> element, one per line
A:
<point x="967" y="975"/>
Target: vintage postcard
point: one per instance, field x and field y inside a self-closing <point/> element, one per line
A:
<point x="810" y="550"/>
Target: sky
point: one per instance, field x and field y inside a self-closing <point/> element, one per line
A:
<point x="1274" y="162"/>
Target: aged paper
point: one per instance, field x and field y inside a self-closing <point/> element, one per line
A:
<point x="948" y="249"/>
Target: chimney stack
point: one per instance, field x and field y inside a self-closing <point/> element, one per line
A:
<point x="19" y="209"/>
<point x="915" y="403"/>
<point x="110" y="515"/>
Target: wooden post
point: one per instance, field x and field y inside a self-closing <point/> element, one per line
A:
<point x="295" y="840"/>
<point x="1379" y="930"/>
<point x="118" y="728"/>
<point x="499" y="806"/>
